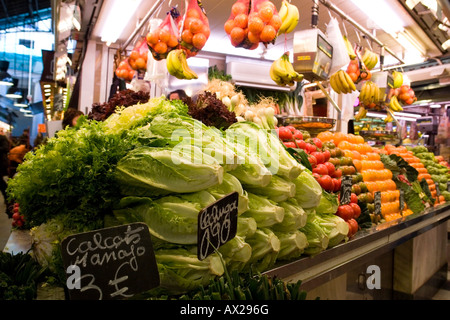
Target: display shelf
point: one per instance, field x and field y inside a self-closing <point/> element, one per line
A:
<point x="316" y="270"/>
<point x="330" y="264"/>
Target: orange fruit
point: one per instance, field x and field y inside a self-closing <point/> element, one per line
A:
<point x="357" y="164"/>
<point x="164" y="35"/>
<point x="266" y="13"/>
<point x="253" y="37"/>
<point x="228" y="26"/>
<point x="241" y="20"/>
<point x="268" y="33"/>
<point x="324" y="136"/>
<point x="152" y="37"/>
<point x="193" y="13"/>
<point x="237" y="35"/>
<point x="134" y="55"/>
<point x="199" y="40"/>
<point x="173" y="41"/>
<point x="237" y="8"/>
<point x="160" y="47"/>
<point x="195" y="25"/>
<point x="186" y="36"/>
<point x="141" y="64"/>
<point x="206" y="31"/>
<point x="255" y="25"/>
<point x="275" y="21"/>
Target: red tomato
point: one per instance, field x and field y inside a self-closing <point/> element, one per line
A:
<point x="290" y="144"/>
<point x="316" y="176"/>
<point x="318" y="142"/>
<point x="356" y="210"/>
<point x="321" y="169"/>
<point x="331" y="168"/>
<point x="354" y="198"/>
<point x="326" y="155"/>
<point x="16" y="216"/>
<point x="345" y="212"/>
<point x="291" y="129"/>
<point x="284" y="134"/>
<point x="298" y="135"/>
<point x="311" y="148"/>
<point x="313" y="161"/>
<point x="353" y="225"/>
<point x="326" y="182"/>
<point x="301" y="143"/>
<point x="338" y="173"/>
<point x="336" y="185"/>
<point x="319" y="156"/>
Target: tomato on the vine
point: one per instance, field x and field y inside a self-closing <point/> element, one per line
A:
<point x="321" y="169"/>
<point x="345" y="212"/>
<point x="353" y="227"/>
<point x="326" y="182"/>
<point x="284" y="134"/>
<point x="356" y="210"/>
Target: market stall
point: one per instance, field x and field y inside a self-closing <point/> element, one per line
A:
<point x="232" y="183"/>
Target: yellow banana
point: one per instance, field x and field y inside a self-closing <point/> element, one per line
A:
<point x="343" y="81"/>
<point x="278" y="73"/>
<point x="395" y="104"/>
<point x="283" y="10"/>
<point x="334" y="85"/>
<point x="349" y="47"/>
<point x="398" y="79"/>
<point x="361" y="113"/>
<point x="290" y="68"/>
<point x="349" y="80"/>
<point x="174" y="64"/>
<point x="291" y="18"/>
<point x="363" y="93"/>
<point x="388" y="118"/>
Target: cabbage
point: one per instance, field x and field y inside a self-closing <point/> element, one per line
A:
<point x="267" y="146"/>
<point x="231" y="184"/>
<point x="265" y="212"/>
<point x="328" y="203"/>
<point x="334" y="226"/>
<point x="308" y="191"/>
<point x="236" y="253"/>
<point x="171" y="218"/>
<point x="316" y="236"/>
<point x="294" y="216"/>
<point x="246" y="226"/>
<point x="181" y="271"/>
<point x="265" y="248"/>
<point x="147" y="171"/>
<point x="279" y="189"/>
<point x="292" y="244"/>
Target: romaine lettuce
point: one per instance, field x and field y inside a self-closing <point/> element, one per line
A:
<point x="265" y="212"/>
<point x="279" y="189"/>
<point x="308" y="191"/>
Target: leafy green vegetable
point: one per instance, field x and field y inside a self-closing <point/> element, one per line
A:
<point x="147" y="171"/>
<point x="267" y="146"/>
<point x="231" y="184"/>
<point x="180" y="270"/>
<point x="334" y="226"/>
<point x="292" y="244"/>
<point x="308" y="191"/>
<point x="265" y="212"/>
<point x="317" y="237"/>
<point x="246" y="226"/>
<point x="294" y="216"/>
<point x="328" y="203"/>
<point x="171" y="218"/>
<point x="398" y="165"/>
<point x="236" y="253"/>
<point x="279" y="189"/>
<point x="71" y="174"/>
<point x="265" y="248"/>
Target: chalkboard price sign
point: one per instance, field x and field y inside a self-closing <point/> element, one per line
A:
<point x="377" y="202"/>
<point x="346" y="190"/>
<point x="217" y="224"/>
<point x="110" y="263"/>
<point x="438" y="192"/>
<point x="402" y="200"/>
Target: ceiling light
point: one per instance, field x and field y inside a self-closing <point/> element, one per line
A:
<point x="446" y="44"/>
<point x="14" y="93"/>
<point x="114" y="17"/>
<point x="6" y="79"/>
<point x="405" y="114"/>
<point x="382" y="14"/>
<point x="435" y="106"/>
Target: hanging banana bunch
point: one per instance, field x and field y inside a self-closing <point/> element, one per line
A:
<point x="370" y="59"/>
<point x="341" y="82"/>
<point x="370" y="93"/>
<point x="289" y="15"/>
<point x="177" y="65"/>
<point x="282" y="72"/>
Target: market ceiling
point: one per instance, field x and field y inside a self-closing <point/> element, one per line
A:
<point x="18" y="12"/>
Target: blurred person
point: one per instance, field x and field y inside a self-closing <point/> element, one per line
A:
<point x="5" y="146"/>
<point x="71" y="116"/>
<point x="177" y="95"/>
<point x="16" y="155"/>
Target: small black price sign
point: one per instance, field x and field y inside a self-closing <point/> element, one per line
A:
<point x="346" y="189"/>
<point x="217" y="224"/>
<point x="110" y="263"/>
<point x="438" y="192"/>
<point x="377" y="202"/>
<point x="402" y="200"/>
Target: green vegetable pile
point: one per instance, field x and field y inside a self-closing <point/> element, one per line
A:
<point x="153" y="163"/>
<point x="19" y="274"/>
<point x="439" y="173"/>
